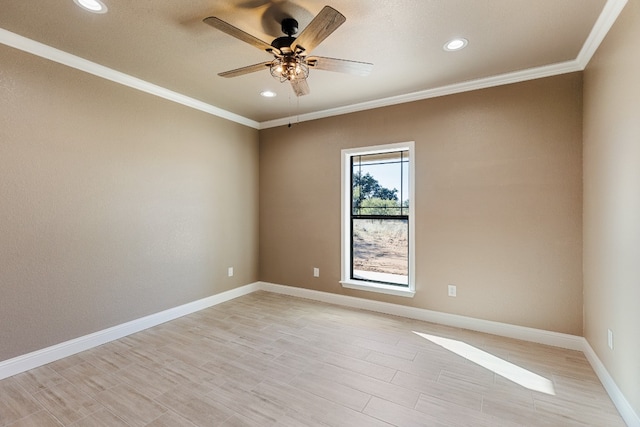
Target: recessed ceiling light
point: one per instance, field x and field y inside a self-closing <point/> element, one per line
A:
<point x="268" y="94"/>
<point x="455" y="44"/>
<point x="95" y="6"/>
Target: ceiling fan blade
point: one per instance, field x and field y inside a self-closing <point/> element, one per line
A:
<point x="340" y="65"/>
<point x="300" y="87"/>
<point x="236" y="32"/>
<point x="245" y="70"/>
<point x="325" y="23"/>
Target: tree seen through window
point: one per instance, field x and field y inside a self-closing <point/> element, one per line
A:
<point x="380" y="217"/>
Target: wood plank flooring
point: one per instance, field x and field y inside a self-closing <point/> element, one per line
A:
<point x="271" y="360"/>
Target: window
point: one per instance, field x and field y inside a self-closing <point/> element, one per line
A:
<point x="377" y="219"/>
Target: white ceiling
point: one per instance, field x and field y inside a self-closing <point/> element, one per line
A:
<point x="163" y="47"/>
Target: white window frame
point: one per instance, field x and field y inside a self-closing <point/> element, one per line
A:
<point x="346" y="280"/>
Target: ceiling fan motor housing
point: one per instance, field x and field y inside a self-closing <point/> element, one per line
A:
<point x="283" y="43"/>
<point x="289" y="26"/>
<point x="290" y="61"/>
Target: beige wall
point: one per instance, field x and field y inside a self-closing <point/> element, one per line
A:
<point x="498" y="204"/>
<point x="114" y="204"/>
<point x="612" y="202"/>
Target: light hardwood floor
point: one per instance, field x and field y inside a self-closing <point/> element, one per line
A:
<point x="271" y="360"/>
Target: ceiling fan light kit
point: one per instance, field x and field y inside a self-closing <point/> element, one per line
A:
<point x="288" y="68"/>
<point x="290" y="62"/>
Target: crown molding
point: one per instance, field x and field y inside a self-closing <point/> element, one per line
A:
<point x="605" y="21"/>
<point x="44" y="51"/>
<point x="498" y="80"/>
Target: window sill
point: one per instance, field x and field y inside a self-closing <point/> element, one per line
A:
<point x="378" y="287"/>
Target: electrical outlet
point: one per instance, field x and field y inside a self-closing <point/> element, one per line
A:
<point x="230" y="271"/>
<point x="452" y="290"/>
<point x="316" y="272"/>
<point x="610" y="338"/>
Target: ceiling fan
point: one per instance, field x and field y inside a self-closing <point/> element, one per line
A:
<point x="291" y="62"/>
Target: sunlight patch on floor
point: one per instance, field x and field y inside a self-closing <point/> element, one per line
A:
<point x="495" y="364"/>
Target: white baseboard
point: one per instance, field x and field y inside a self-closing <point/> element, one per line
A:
<point x="41" y="357"/>
<point x="555" y="339"/>
<point x="622" y="404"/>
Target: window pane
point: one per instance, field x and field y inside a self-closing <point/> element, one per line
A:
<point x="381" y="250"/>
<point x="380" y="183"/>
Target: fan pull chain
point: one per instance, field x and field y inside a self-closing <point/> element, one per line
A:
<point x="297" y="115"/>
<point x="289" y="111"/>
